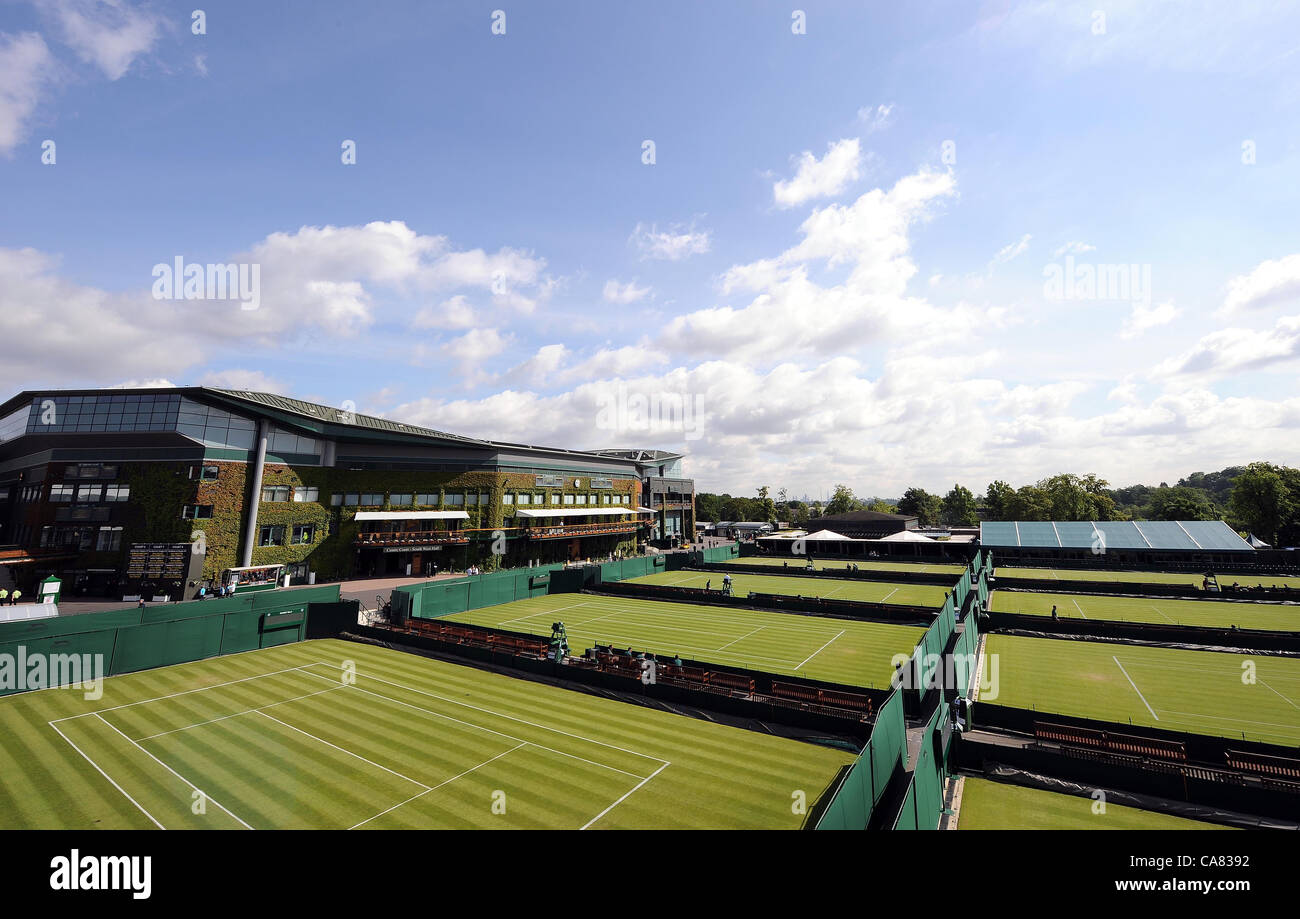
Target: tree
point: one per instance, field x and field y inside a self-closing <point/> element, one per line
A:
<point x="708" y="507"/>
<point x="842" y="501"/>
<point x="919" y="503"/>
<point x="1030" y="503"/>
<point x="881" y="506"/>
<point x="958" y="508"/>
<point x="1181" y="503"/>
<point x="1261" y="501"/>
<point x="766" y="507"/>
<point x="998" y="499"/>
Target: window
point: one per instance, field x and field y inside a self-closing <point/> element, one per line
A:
<point x="303" y="493"/>
<point x="484" y="498"/>
<point x="427" y="499"/>
<point x="61" y="494"/>
<point x="196" y="511"/>
<point x="555" y="499"/>
<point x="400" y="500"/>
<point x="90" y="471"/>
<point x="275" y="493"/>
<point x="604" y="499"/>
<point x="336" y="500"/>
<point x="568" y="499"/>
<point x="303" y="533"/>
<point x="539" y="499"/>
<point x="581" y="499"/>
<point x="90" y="494"/>
<point x="525" y="499"/>
<point x="471" y="500"/>
<point x="372" y="500"/>
<point x="455" y="500"/>
<point x="205" y="473"/>
<point x="109" y="539"/>
<point x="271" y="536"/>
<point x="351" y="500"/>
<point x="508" y="498"/>
<point x="117" y="492"/>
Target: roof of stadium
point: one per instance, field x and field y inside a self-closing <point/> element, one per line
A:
<point x="1164" y="535"/>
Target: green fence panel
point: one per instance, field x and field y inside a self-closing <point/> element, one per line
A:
<point x="164" y="643"/>
<point x="888" y="744"/>
<point x="239" y="632"/>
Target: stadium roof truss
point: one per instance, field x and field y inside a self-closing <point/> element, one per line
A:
<point x="1159" y="535"/>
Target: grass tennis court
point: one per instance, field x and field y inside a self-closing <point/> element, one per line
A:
<point x="827" y="588"/>
<point x="1139" y="577"/>
<point x="989" y="805"/>
<point x="827" y="564"/>
<point x="1165" y="610"/>
<point x="838" y="650"/>
<point x="1199" y="692"/>
<point x="279" y="739"/>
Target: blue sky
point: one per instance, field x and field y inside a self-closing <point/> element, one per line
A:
<point x="838" y="255"/>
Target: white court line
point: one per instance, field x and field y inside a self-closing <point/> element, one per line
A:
<point x="890" y="594"/>
<point x="1157" y="609"/>
<point x="1085" y="616"/>
<point x="545" y="612"/>
<point x="820" y="650"/>
<point x="439" y="785"/>
<point x="185" y="692"/>
<point x="341" y="750"/>
<point x="488" y="711"/>
<point x="741" y="638"/>
<point x="1284" y="698"/>
<point x="237" y="714"/>
<point x="175" y="773"/>
<point x="626" y="796"/>
<point x="107" y="776"/>
<point x="1231" y="719"/>
<point x="1135" y="688"/>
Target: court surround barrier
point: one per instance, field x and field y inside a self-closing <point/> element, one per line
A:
<point x="173" y="633"/>
<point x="885" y="754"/>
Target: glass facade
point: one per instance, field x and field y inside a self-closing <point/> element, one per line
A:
<point x="104" y="412"/>
<point x="215" y="427"/>
<point x="14" y="424"/>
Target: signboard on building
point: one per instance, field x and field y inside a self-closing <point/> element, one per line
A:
<point x="158" y="560"/>
<point x="602" y="483"/>
<point x="550" y="481"/>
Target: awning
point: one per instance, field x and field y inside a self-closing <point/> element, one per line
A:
<point x="904" y="536"/>
<point x="412" y="515"/>
<point x="646" y="510"/>
<point x="824" y="535"/>
<point x="574" y="512"/>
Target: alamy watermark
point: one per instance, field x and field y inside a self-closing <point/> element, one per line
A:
<point x="1087" y="281"/>
<point x="651" y="412"/>
<point x="239" y="281"/>
<point x="24" y="672"/>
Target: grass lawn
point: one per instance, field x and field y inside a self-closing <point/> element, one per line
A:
<point x="1138" y="577"/>
<point x="827" y="564"/>
<point x="829" y="588"/>
<point x="282" y="738"/>
<point x="1201" y="692"/>
<point x="988" y="805"/>
<point x="1206" y="613"/>
<point x="837" y="650"/>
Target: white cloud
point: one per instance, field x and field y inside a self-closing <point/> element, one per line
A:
<point x="1010" y="251"/>
<point x="1271" y="283"/>
<point x="793" y="316"/>
<point x="1232" y="350"/>
<point x="1146" y="317"/>
<point x="674" y="244"/>
<point x="1073" y="248"/>
<point x="476" y="345"/>
<point x="822" y="178"/>
<point x="615" y="292"/>
<point x="244" y="380"/>
<point x="876" y="118"/>
<point x="25" y="69"/>
<point x="109" y="34"/>
<point x="452" y="313"/>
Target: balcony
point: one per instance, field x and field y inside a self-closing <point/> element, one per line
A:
<point x="576" y="530"/>
<point x="417" y="538"/>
